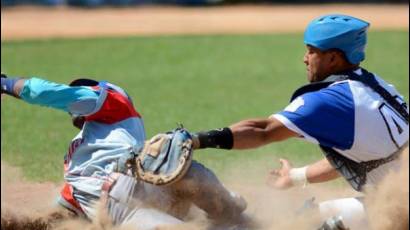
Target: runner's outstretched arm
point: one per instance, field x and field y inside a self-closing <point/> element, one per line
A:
<point x="45" y="93"/>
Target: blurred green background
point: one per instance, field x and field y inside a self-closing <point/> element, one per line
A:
<point x="201" y="81"/>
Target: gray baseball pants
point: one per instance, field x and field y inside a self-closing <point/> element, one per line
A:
<point x="145" y="206"/>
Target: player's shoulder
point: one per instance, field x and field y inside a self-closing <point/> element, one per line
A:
<point x="329" y="95"/>
<point x="333" y="99"/>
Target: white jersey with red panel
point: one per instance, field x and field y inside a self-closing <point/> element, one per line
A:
<point x="113" y="128"/>
<point x="110" y="132"/>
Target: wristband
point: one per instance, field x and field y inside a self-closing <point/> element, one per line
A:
<point x="7" y="85"/>
<point x="298" y="176"/>
<point x="218" y="138"/>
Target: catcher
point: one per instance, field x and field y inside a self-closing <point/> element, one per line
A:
<point x="359" y="121"/>
<point x="144" y="184"/>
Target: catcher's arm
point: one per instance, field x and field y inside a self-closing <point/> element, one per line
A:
<point x="258" y="132"/>
<point x="245" y="134"/>
<point x="321" y="171"/>
<point x="287" y="176"/>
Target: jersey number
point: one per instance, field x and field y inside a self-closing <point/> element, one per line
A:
<point x="396" y="125"/>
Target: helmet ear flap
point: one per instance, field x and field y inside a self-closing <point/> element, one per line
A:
<point x="84" y="82"/>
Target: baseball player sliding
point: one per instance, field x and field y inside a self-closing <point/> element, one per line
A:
<point x="360" y="122"/>
<point x="144" y="184"/>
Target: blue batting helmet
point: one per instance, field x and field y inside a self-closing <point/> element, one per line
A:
<point x="337" y="31"/>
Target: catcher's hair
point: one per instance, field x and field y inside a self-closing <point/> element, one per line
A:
<point x="344" y="57"/>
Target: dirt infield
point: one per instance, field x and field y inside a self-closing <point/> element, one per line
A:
<point x="40" y="22"/>
<point x="32" y="204"/>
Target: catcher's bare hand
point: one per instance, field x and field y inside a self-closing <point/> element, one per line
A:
<point x="280" y="178"/>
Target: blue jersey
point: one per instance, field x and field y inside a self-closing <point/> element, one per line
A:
<point x="349" y="117"/>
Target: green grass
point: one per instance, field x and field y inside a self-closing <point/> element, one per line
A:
<point x="202" y="81"/>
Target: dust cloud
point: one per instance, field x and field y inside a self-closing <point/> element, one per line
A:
<point x="388" y="206"/>
<point x="268" y="209"/>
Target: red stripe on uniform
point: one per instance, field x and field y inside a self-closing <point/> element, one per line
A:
<point x="115" y="108"/>
<point x="67" y="194"/>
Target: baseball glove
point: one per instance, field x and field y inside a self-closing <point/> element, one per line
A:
<point x="165" y="158"/>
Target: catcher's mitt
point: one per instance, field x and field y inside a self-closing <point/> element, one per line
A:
<point x="165" y="158"/>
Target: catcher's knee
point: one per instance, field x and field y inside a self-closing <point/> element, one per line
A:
<point x="345" y="213"/>
<point x="350" y="210"/>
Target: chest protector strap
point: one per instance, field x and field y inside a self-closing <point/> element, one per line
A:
<point x="354" y="172"/>
<point x="369" y="80"/>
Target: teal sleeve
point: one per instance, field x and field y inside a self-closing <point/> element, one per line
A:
<point x="59" y="96"/>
